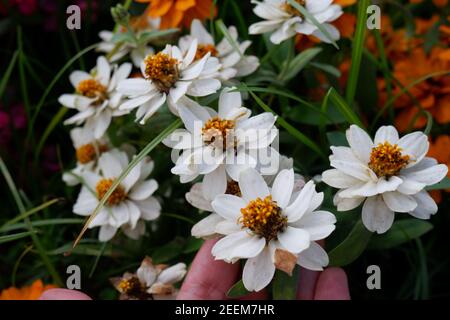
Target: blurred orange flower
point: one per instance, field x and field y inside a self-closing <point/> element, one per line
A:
<point x="32" y="292"/>
<point x="175" y="13"/>
<point x="437" y="3"/>
<point x="440" y="150"/>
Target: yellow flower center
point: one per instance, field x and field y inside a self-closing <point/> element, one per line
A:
<point x="116" y="197"/>
<point x="386" y="160"/>
<point x="131" y="286"/>
<point x="264" y="218"/>
<point x="203" y="49"/>
<point x="87" y="152"/>
<point x="233" y="188"/>
<point x="291" y="10"/>
<point x="91" y="88"/>
<point x="162" y="70"/>
<point x="216" y="131"/>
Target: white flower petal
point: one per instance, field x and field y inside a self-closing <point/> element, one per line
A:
<point x="314" y="258"/>
<point x="252" y="185"/>
<point x="360" y="142"/>
<point x="106" y="233"/>
<point x="228" y="206"/>
<point x="143" y="190"/>
<point x="282" y="187"/>
<point x="301" y="204"/>
<point x="386" y="134"/>
<point x="103" y="71"/>
<point x="207" y="226"/>
<point x="425" y="206"/>
<point x="415" y="145"/>
<point x="214" y="183"/>
<point x="238" y="245"/>
<point x="399" y="202"/>
<point x="294" y="240"/>
<point x="150" y="208"/>
<point x="338" y="179"/>
<point x="203" y="87"/>
<point x="376" y="216"/>
<point x="258" y="271"/>
<point x="319" y="224"/>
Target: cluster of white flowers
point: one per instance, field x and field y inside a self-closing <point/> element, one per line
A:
<point x="259" y="208"/>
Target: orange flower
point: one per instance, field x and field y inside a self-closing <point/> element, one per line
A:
<point x="437" y="3"/>
<point x="32" y="292"/>
<point x="440" y="150"/>
<point x="174" y="13"/>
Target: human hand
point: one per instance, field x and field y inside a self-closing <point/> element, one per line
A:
<point x="211" y="279"/>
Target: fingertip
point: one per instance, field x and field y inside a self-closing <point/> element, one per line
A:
<point x="332" y="285"/>
<point x="63" y="294"/>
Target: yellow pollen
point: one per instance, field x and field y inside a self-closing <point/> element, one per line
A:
<point x="233" y="188"/>
<point x="131" y="286"/>
<point x="203" y="49"/>
<point x="386" y="160"/>
<point x="91" y="88"/>
<point x="264" y="218"/>
<point x="162" y="70"/>
<point x="87" y="152"/>
<point x="291" y="10"/>
<point x="217" y="130"/>
<point x="116" y="197"/>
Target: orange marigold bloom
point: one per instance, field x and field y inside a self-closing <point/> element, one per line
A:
<point x="175" y="13"/>
<point x="440" y="150"/>
<point x="437" y="3"/>
<point x="32" y="292"/>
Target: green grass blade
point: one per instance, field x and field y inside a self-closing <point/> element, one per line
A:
<point x="289" y="128"/>
<point x="357" y="50"/>
<point x="42" y="223"/>
<point x="299" y="62"/>
<point x="311" y="18"/>
<point x="8" y="72"/>
<point x="29" y="213"/>
<point x="343" y="107"/>
<point x="42" y="253"/>
<point x="49" y="129"/>
<point x="15" y="236"/>
<point x="144" y="152"/>
<point x="221" y="26"/>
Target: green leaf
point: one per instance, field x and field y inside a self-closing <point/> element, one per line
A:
<point x="337" y="138"/>
<point x="357" y="50"/>
<point x="169" y="251"/>
<point x="124" y="37"/>
<point x="343" y="107"/>
<point x="237" y="290"/>
<point x="444" y="184"/>
<point x="352" y="247"/>
<point x="299" y="62"/>
<point x="313" y="20"/>
<point x="221" y="26"/>
<point x="284" y="286"/>
<point x="8" y="72"/>
<point x="148" y="36"/>
<point x="289" y="128"/>
<point x="328" y="68"/>
<point x="148" y="148"/>
<point x="16" y="236"/>
<point x="42" y="223"/>
<point x="401" y="231"/>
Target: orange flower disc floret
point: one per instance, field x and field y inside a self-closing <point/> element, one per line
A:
<point x="203" y="49"/>
<point x="386" y="160"/>
<point x="116" y="197"/>
<point x="216" y="130"/>
<point x="91" y="88"/>
<point x="162" y="70"/>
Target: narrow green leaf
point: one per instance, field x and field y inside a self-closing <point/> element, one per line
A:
<point x="313" y="20"/>
<point x="8" y="72"/>
<point x="237" y="290"/>
<point x="42" y="223"/>
<point x="148" y="148"/>
<point x="343" y="107"/>
<point x="352" y="247"/>
<point x="299" y="62"/>
<point x="221" y="26"/>
<point x="284" y="286"/>
<point x="328" y="68"/>
<point x="401" y="231"/>
<point x="148" y="36"/>
<point x="289" y="128"/>
<point x="49" y="129"/>
<point x="29" y="213"/>
<point x="357" y="50"/>
<point x="16" y="236"/>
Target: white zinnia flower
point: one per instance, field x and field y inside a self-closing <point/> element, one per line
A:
<point x="150" y="281"/>
<point x="129" y="205"/>
<point x="389" y="174"/>
<point x="233" y="63"/>
<point x="168" y="76"/>
<point x="203" y="193"/>
<point x="215" y="144"/>
<point x="96" y="98"/>
<point x="268" y="223"/>
<point x="137" y="52"/>
<point x="88" y="150"/>
<point x="284" y="21"/>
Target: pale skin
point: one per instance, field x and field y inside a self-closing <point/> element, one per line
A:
<point x="211" y="279"/>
